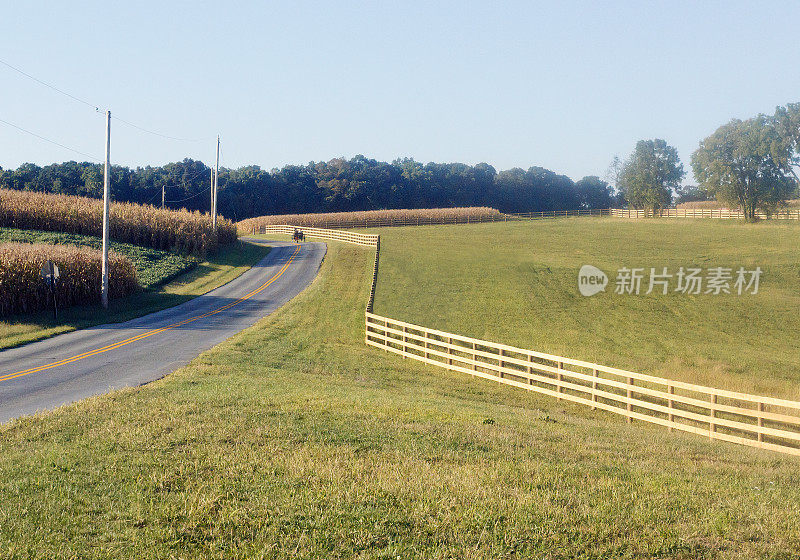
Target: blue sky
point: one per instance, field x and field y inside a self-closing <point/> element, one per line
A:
<point x="564" y="85"/>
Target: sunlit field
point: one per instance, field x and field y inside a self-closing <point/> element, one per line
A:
<point x="517" y="283"/>
<point x="293" y="439"/>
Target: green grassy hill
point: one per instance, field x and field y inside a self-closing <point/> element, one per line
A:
<point x="516" y="283"/>
<point x="293" y="439"/>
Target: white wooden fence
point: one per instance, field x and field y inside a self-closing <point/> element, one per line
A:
<point x="722" y="213"/>
<point x="765" y="422"/>
<point x="365" y="240"/>
<point x="753" y="420"/>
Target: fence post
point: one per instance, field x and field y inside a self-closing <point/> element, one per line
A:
<point x="474" y="358"/>
<point x="630" y="395"/>
<point x="500" y="363"/>
<point x="594" y="387"/>
<point x="449" y="350"/>
<point x="760" y="421"/>
<point x="404" y="342"/>
<point x="530" y="370"/>
<point x="671" y="417"/>
<point x="560" y="377"/>
<point x="425" y="343"/>
<point x="712" y="427"/>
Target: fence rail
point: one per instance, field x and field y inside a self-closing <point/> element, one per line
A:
<point x="561" y="214"/>
<point x="753" y="420"/>
<point x="719" y="213"/>
<point x="363" y="239"/>
<point x="396" y="222"/>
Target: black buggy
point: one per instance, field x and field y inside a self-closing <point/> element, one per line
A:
<point x="298" y="236"/>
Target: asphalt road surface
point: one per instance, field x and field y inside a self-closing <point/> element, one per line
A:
<point x="72" y="366"/>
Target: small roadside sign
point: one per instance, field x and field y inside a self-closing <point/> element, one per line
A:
<point x="49" y="274"/>
<point x="49" y="271"/>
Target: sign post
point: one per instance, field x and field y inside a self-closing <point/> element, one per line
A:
<point x="49" y="274"/>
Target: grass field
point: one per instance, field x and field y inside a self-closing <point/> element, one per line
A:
<point x="153" y="266"/>
<point x="229" y="262"/>
<point x="516" y="283"/>
<point x="295" y="440"/>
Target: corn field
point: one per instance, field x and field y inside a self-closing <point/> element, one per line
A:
<point x="23" y="291"/>
<point x="171" y="230"/>
<point x="376" y="218"/>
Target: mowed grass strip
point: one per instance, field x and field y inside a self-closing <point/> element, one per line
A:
<point x="517" y="283"/>
<point x="295" y="440"/>
<point x="227" y="264"/>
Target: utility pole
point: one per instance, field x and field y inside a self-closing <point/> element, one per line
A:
<point x="211" y="211"/>
<point x="214" y="191"/>
<point x="163" y="195"/>
<point x="106" y="193"/>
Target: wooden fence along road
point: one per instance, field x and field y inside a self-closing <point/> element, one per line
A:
<point x="758" y="421"/>
<point x="365" y="240"/>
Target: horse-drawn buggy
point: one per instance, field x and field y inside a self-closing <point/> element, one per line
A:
<point x="298" y="236"/>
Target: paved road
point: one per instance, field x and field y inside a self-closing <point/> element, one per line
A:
<point x="72" y="366"/>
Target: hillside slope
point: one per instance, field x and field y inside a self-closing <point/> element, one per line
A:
<point x="517" y="283"/>
<point x="294" y="439"/>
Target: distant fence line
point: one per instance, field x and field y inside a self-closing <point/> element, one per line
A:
<point x="745" y="419"/>
<point x="397" y="222"/>
<point x="716" y="213"/>
<point x="363" y="239"/>
<point x="560" y="214"/>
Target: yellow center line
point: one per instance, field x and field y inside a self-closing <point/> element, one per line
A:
<point x="154" y="331"/>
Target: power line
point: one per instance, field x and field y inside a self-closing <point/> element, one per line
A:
<point x="183" y="184"/>
<point x="191" y="197"/>
<point x="48" y="140"/>
<point x="136" y="126"/>
<point x="51" y="86"/>
<point x="152" y="197"/>
<point x="97" y="108"/>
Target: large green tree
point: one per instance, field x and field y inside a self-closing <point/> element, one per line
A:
<point x="593" y="192"/>
<point x="746" y="164"/>
<point x="787" y="121"/>
<point x="650" y="174"/>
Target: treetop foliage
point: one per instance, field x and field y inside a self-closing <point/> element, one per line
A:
<point x="648" y="178"/>
<point x="749" y="164"/>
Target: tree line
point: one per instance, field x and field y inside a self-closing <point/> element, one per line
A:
<point x="359" y="183"/>
<point x="749" y="164"/>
